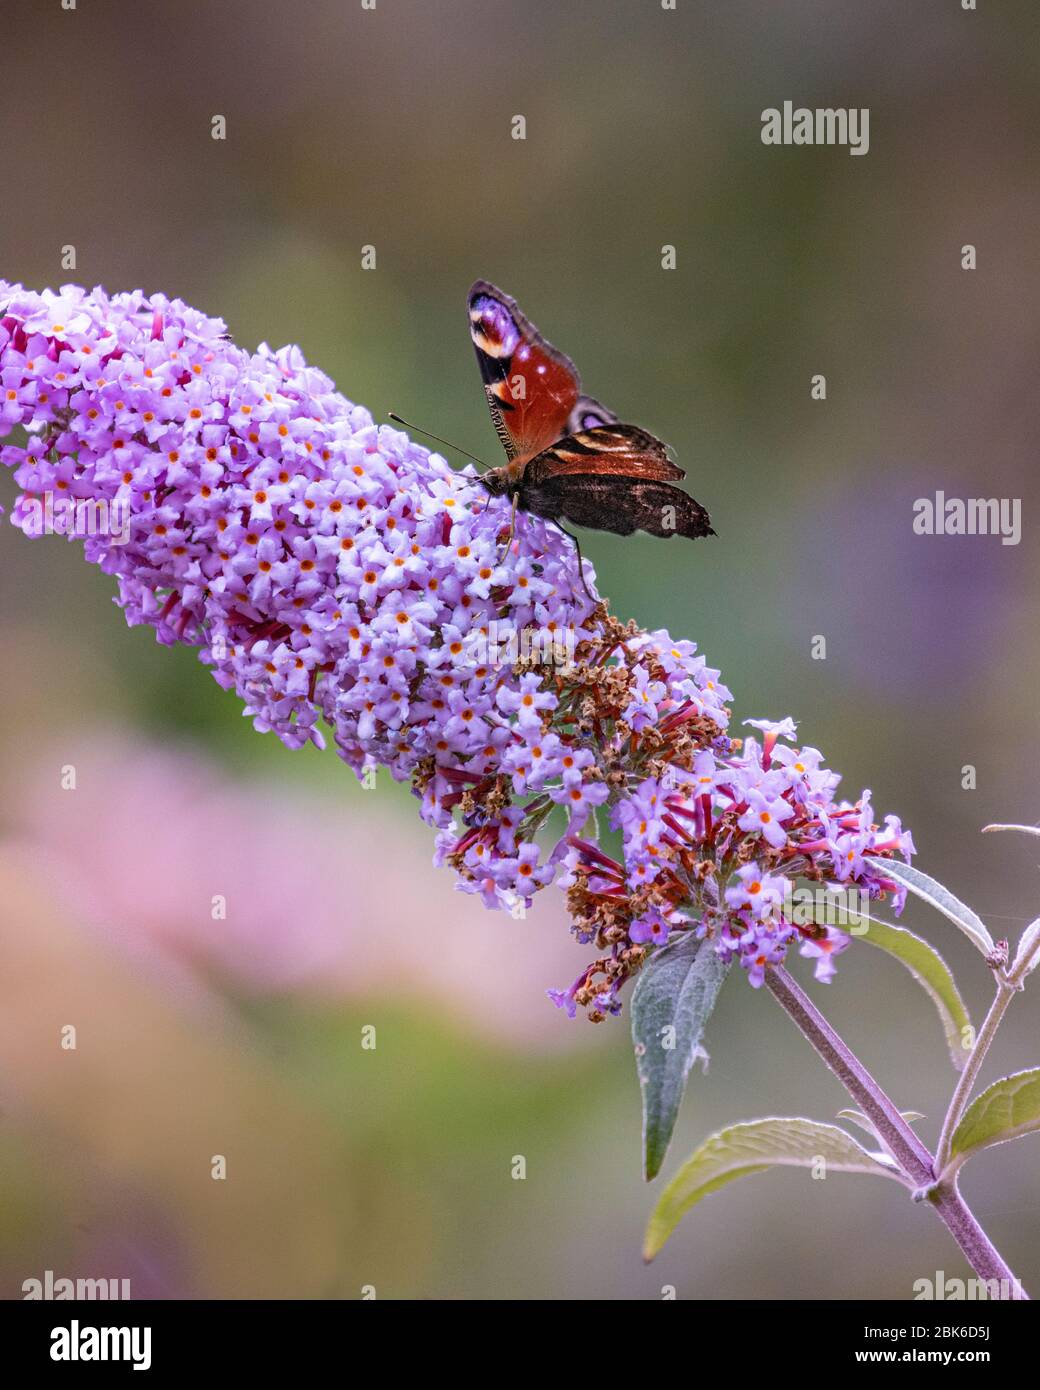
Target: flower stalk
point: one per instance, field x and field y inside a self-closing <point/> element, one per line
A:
<point x="1006" y="991"/>
<point x="894" y="1132"/>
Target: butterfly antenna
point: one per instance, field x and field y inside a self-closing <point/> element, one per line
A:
<point x="446" y="442"/>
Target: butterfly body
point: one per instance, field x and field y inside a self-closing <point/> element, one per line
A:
<point x="569" y="457"/>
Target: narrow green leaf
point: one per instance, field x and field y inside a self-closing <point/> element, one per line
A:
<point x="1006" y="1110"/>
<point x="673" y="1000"/>
<point x="743" y="1149"/>
<point x="1025" y="829"/>
<point x="910" y="1116"/>
<point x="934" y="976"/>
<point x="940" y="898"/>
<point x="1027" y="957"/>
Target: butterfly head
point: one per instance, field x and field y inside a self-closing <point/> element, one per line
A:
<point x="498" y="481"/>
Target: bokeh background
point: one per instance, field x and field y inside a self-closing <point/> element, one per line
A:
<point x="391" y="127"/>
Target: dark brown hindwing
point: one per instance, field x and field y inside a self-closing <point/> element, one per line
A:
<point x="625" y="450"/>
<point x="615" y="503"/>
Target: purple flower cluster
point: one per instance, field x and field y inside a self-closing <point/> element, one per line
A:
<point x="334" y="573"/>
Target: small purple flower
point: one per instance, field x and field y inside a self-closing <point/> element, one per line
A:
<point x="645" y="696"/>
<point x="755" y="891"/>
<point x="766" y="814"/>
<point x="823" y="949"/>
<point x="579" y="797"/>
<point x="527" y="703"/>
<point x="649" y="930"/>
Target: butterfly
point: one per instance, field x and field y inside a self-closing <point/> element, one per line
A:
<point x="569" y="457"/>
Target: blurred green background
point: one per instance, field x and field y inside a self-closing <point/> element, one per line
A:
<point x="391" y="127"/>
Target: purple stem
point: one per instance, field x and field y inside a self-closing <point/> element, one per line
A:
<point x="894" y="1132"/>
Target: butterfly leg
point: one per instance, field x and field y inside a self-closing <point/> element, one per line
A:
<point x="581" y="563"/>
<point x="512" y="521"/>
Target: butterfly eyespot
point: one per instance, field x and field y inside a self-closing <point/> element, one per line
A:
<point x="493" y="328"/>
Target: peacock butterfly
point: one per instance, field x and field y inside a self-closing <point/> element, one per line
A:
<point x="569" y="457"/>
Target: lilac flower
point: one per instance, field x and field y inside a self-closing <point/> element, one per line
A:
<point x="645" y="696"/>
<point x="755" y="892"/>
<point x="766" y="814"/>
<point x="527" y="702"/>
<point x="344" y="581"/>
<point x="579" y="797"/>
<point x="763" y="945"/>
<point x="823" y="949"/>
<point x="652" y="929"/>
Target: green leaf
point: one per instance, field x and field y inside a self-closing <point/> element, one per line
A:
<point x="910" y="1116"/>
<point x="1027" y="957"/>
<point x="750" y="1148"/>
<point x="933" y="975"/>
<point x="940" y="898"/>
<point x="673" y="1000"/>
<point x="1025" y="829"/>
<point x="1006" y="1110"/>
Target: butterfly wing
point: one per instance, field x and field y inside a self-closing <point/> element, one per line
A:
<point x="587" y="415"/>
<point x="615" y="449"/>
<point x="612" y="477"/>
<point x="613" y="502"/>
<point x="532" y="389"/>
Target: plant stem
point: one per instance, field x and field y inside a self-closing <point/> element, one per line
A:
<point x="965" y="1082"/>
<point x="894" y="1132"/>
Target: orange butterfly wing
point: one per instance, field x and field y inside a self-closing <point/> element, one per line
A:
<point x="532" y="389"/>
